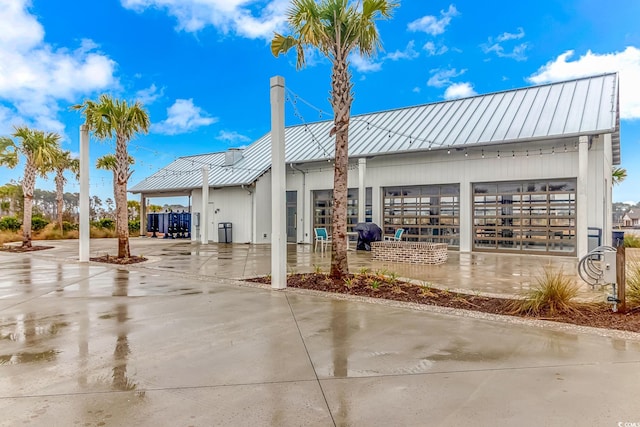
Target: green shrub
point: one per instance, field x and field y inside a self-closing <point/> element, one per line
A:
<point x="68" y="226"/>
<point x="134" y="226"/>
<point x="631" y="240"/>
<point x="107" y="223"/>
<point x="10" y="223"/>
<point x="38" y="223"/>
<point x="554" y="293"/>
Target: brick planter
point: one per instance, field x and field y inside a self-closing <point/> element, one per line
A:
<point x="410" y="252"/>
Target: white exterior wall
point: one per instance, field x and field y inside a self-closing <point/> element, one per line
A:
<point x="226" y="205"/>
<point x="438" y="167"/>
<point x="435" y="167"/>
<point x="263" y="209"/>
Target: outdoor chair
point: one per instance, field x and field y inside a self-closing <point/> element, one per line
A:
<point x="321" y="237"/>
<point x="396" y="237"/>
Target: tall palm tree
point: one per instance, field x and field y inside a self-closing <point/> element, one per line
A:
<point x="109" y="118"/>
<point x="618" y="175"/>
<point x="39" y="149"/>
<point x="336" y="28"/>
<point x="108" y="162"/>
<point x="63" y="162"/>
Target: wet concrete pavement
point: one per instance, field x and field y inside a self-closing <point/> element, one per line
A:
<point x="179" y="342"/>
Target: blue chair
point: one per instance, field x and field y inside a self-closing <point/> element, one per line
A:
<point x="396" y="237"/>
<point x="322" y="237"/>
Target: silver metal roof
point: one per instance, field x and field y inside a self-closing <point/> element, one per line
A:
<point x="585" y="106"/>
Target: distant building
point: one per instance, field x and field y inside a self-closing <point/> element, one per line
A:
<point x="631" y="218"/>
<point x="520" y="171"/>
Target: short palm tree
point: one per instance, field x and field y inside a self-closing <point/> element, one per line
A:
<point x="39" y="149"/>
<point x="109" y="118"/>
<point x="63" y="162"/>
<point x="337" y="28"/>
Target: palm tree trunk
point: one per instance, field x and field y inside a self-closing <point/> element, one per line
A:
<point x="122" y="174"/>
<point x="28" y="184"/>
<point x="341" y="102"/>
<point x="59" y="198"/>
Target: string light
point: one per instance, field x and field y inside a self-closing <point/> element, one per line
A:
<point x="498" y="153"/>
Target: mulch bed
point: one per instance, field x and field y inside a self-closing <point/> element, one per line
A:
<point x="120" y="261"/>
<point x="597" y="315"/>
<point x="21" y="249"/>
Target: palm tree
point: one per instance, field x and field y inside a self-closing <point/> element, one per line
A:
<point x="109" y="118"/>
<point x="62" y="162"/>
<point x="336" y="28"/>
<point x="108" y="162"/>
<point x="39" y="149"/>
<point x="618" y="175"/>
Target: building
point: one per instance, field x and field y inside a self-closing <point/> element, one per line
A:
<point x="631" y="218"/>
<point x="521" y="171"/>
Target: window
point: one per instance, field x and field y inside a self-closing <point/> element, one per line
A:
<point x="428" y="213"/>
<point x="323" y="208"/>
<point x="525" y="216"/>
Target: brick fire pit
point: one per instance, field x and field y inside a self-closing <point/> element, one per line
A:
<point x="410" y="252"/>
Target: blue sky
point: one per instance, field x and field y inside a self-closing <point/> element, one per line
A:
<point x="202" y="67"/>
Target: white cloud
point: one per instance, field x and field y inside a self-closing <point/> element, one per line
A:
<point x="232" y="136"/>
<point x="518" y="52"/>
<point x="149" y="95"/>
<point x="627" y="63"/>
<point x="408" y="53"/>
<point x="432" y="25"/>
<point x="246" y="18"/>
<point x="459" y="90"/>
<point x="183" y="117"/>
<point x="432" y="50"/>
<point x="364" y="65"/>
<point x="35" y="76"/>
<point x="441" y="78"/>
<point x="416" y="90"/>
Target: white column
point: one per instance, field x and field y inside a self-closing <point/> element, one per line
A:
<point x="143" y="215"/>
<point x="278" y="187"/>
<point x="362" y="190"/>
<point x="204" y="221"/>
<point x="466" y="226"/>
<point x="607" y="222"/>
<point x="582" y="224"/>
<point x="84" y="195"/>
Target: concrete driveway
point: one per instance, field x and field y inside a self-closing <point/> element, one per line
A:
<point x="179" y="341"/>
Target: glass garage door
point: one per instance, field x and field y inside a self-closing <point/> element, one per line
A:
<point x="538" y="217"/>
<point x="428" y="213"/>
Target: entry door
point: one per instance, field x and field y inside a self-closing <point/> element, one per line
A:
<point x="292" y="216"/>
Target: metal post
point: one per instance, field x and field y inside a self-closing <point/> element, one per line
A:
<point x="621" y="279"/>
<point x="278" y="187"/>
<point x="204" y="236"/>
<point x="83" y="202"/>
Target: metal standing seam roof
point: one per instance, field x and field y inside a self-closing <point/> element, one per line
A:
<point x="585" y="106"/>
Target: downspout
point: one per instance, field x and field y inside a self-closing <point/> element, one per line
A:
<point x="304" y="196"/>
<point x="253" y="226"/>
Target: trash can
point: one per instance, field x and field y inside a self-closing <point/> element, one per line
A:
<point x="224" y="232"/>
<point x="618" y="239"/>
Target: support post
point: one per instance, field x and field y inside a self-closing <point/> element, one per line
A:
<point x="621" y="279"/>
<point x="362" y="190"/>
<point x="204" y="220"/>
<point x="83" y="202"/>
<point x="278" y="187"/>
<point x="582" y="231"/>
<point x="143" y="215"/>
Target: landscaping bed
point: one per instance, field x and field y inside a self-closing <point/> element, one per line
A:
<point x="597" y="315"/>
